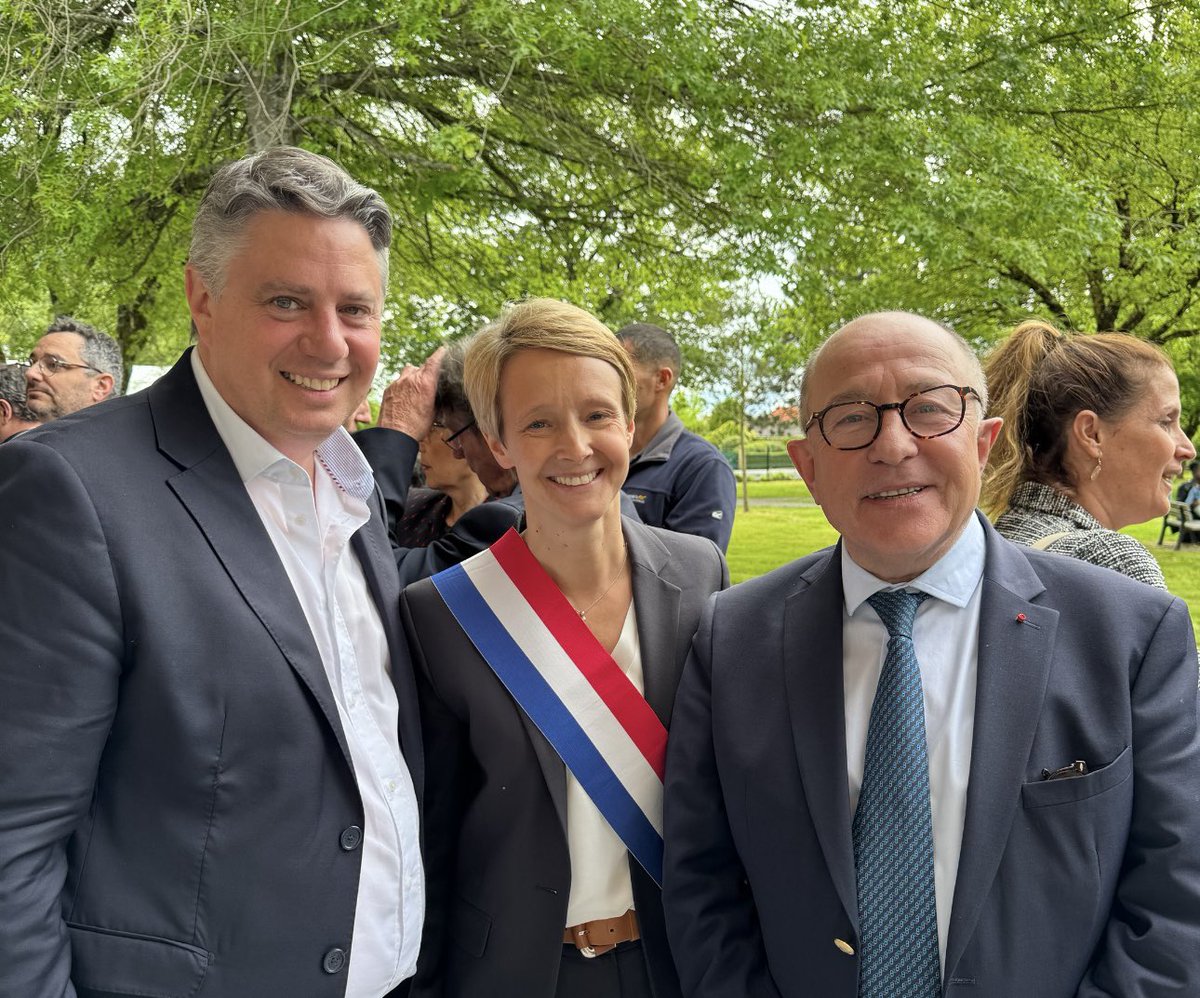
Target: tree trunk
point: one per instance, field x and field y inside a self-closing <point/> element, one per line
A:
<point x="268" y="98"/>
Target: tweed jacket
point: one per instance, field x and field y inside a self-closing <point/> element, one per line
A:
<point x="1036" y="511"/>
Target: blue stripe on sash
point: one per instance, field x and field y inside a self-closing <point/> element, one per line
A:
<point x="535" y="696"/>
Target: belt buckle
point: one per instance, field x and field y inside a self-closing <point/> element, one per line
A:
<point x="588" y="949"/>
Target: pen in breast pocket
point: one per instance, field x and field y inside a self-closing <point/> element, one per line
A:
<point x="1077" y="768"/>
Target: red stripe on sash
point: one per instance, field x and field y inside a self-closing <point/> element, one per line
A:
<point x="628" y="706"/>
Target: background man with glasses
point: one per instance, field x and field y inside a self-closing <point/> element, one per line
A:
<point x="925" y="761"/>
<point x="73" y="366"/>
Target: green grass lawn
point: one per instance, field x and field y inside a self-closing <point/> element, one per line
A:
<point x="766" y="537"/>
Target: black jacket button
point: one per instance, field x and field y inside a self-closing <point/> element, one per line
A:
<point x="334" y="961"/>
<point x="351" y="838"/>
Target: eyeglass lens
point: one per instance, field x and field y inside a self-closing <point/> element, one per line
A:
<point x="849" y="425"/>
<point x="51" y="365"/>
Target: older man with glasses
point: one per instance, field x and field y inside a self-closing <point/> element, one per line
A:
<point x="73" y="366"/>
<point x="927" y="762"/>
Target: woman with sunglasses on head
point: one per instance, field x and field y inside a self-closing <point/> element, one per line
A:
<point x="548" y="669"/>
<point x="1091" y="443"/>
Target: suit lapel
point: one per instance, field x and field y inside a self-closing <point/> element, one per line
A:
<point x="656" y="603"/>
<point x="812" y="676"/>
<point x="1014" y="660"/>
<point x="211" y="490"/>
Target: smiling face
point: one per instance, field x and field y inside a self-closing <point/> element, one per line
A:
<point x="899" y="503"/>
<point x="566" y="434"/>
<point x="1141" y="453"/>
<point x="292" y="341"/>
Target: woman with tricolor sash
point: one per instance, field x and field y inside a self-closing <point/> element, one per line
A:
<point x="548" y="666"/>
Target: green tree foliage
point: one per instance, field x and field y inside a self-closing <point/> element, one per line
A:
<point x="1026" y="157"/>
<point x="525" y="148"/>
<point x="978" y="162"/>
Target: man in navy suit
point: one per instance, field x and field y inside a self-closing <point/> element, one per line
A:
<point x="995" y="792"/>
<point x="211" y="754"/>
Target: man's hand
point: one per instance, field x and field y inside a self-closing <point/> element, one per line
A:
<point x="408" y="401"/>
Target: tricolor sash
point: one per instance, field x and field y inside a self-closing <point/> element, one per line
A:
<point x="561" y="676"/>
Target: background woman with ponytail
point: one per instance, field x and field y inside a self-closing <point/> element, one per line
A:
<point x="1090" y="444"/>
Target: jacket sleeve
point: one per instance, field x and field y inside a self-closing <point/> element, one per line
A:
<point x="62" y="643"/>
<point x="705" y="502"/>
<point x="711" y="919"/>
<point x="1151" y="945"/>
<point x="476" y="530"/>
<point x="392" y="456"/>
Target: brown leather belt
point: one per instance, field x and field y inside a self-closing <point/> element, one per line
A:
<point x="602" y="934"/>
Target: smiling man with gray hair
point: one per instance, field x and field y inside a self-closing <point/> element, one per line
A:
<point x="205" y="682"/>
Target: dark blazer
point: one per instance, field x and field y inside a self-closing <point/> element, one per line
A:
<point x="392" y="456"/>
<point x="498" y="868"/>
<point x="1087" y="886"/>
<point x="174" y="779"/>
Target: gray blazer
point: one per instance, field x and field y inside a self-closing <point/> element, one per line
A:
<point x="1083" y="887"/>
<point x="498" y="868"/>
<point x="174" y="779"/>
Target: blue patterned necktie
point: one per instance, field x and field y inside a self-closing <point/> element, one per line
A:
<point x="893" y="826"/>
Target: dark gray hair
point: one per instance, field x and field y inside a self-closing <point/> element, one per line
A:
<point x="652" y="345"/>
<point x="450" y="396"/>
<point x="280" y="179"/>
<point x="12" y="390"/>
<point x="99" y="349"/>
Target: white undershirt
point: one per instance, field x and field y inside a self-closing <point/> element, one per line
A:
<point x="310" y="523"/>
<point x="600" y="885"/>
<point x="946" y="639"/>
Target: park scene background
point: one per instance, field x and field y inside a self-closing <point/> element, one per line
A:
<point x="749" y="174"/>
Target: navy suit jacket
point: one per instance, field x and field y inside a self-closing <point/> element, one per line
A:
<point x="1083" y="887"/>
<point x="174" y="778"/>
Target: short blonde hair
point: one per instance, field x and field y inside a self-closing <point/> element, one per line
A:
<point x="537" y="324"/>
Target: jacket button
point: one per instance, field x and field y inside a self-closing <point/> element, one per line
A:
<point x="844" y="946"/>
<point x="334" y="961"/>
<point x="351" y="838"/>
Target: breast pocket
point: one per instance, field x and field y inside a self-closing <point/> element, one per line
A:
<point x="1065" y="853"/>
<point x="1050" y="793"/>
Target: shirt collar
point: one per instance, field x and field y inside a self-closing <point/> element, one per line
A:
<point x="953" y="578"/>
<point x="660" y="445"/>
<point x="254" y="456"/>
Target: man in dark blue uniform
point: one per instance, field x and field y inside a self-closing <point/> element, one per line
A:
<point x="676" y="479"/>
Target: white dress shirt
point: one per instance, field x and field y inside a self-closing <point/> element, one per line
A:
<point x="600" y="884"/>
<point x="310" y="523"/>
<point x="946" y="639"/>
